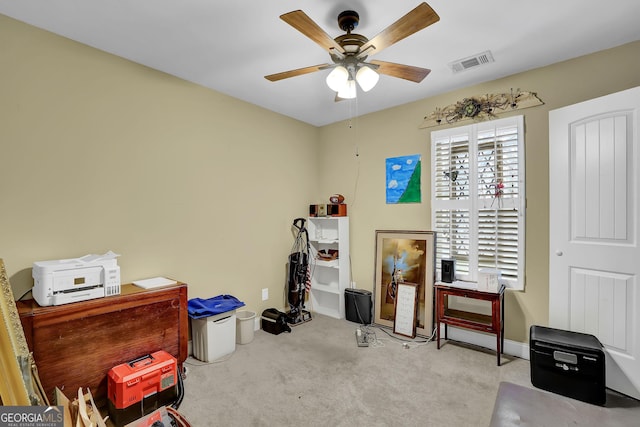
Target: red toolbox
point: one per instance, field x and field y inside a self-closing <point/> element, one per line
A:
<point x="141" y="386"/>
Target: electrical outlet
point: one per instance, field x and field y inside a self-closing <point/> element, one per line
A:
<point x="265" y="294"/>
<point x="353" y="284"/>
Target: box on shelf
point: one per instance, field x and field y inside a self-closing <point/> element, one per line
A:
<point x="489" y="279"/>
<point x="337" y="209"/>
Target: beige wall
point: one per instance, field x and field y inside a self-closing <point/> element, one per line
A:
<point x="396" y="132"/>
<point x="98" y="153"/>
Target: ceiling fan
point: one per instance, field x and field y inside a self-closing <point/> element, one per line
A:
<point x="349" y="52"/>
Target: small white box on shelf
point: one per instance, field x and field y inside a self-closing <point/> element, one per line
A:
<point x="489" y="279"/>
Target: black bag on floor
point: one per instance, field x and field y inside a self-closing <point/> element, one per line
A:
<point x="274" y="321"/>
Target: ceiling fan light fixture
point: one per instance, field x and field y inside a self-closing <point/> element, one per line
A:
<point x="349" y="51"/>
<point x="337" y="78"/>
<point x="348" y="91"/>
<point x="367" y="78"/>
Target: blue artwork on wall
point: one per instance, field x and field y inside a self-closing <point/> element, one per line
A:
<point x="403" y="179"/>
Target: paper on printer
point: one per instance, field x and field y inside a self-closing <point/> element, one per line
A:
<point x="64" y="281"/>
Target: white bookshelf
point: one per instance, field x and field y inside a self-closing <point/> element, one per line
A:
<point x="329" y="278"/>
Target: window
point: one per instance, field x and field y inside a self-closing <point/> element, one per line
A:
<point x="478" y="198"/>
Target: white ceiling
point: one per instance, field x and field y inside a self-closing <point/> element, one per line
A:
<point x="231" y="45"/>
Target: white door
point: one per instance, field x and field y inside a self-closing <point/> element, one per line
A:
<point x="594" y="263"/>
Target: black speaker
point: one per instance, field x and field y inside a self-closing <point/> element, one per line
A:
<point x="357" y="305"/>
<point x="448" y="270"/>
<point x="339" y="209"/>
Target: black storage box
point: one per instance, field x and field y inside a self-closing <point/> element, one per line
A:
<point x="122" y="417"/>
<point x="568" y="363"/>
<point x="357" y="305"/>
<point x="274" y="321"/>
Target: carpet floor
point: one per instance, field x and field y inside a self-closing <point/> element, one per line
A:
<point x="318" y="376"/>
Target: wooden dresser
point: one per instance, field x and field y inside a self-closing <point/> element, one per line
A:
<point x="75" y="345"/>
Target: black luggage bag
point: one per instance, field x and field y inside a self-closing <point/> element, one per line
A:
<point x="274" y="321"/>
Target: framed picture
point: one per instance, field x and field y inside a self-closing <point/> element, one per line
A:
<point x="403" y="179"/>
<point x="404" y="256"/>
<point x="15" y="360"/>
<point x="406" y="309"/>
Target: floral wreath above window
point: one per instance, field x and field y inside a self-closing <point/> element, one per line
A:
<point x="481" y="107"/>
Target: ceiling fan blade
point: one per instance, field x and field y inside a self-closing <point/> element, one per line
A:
<point x="407" y="72"/>
<point x="298" y="72"/>
<point x="420" y="17"/>
<point x="301" y="22"/>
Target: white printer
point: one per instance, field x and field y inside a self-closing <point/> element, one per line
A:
<point x="78" y="279"/>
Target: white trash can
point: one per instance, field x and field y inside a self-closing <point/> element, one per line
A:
<point x="212" y="337"/>
<point x="244" y="326"/>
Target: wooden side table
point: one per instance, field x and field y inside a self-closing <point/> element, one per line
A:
<point x="493" y="324"/>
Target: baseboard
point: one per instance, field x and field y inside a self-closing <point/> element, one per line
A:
<point x="512" y="348"/>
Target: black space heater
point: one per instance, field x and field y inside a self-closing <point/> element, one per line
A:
<point x="357" y="305"/>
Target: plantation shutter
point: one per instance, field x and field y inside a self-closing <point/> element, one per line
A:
<point x="478" y="198"/>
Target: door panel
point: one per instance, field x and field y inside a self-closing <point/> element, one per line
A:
<point x="600" y="147"/>
<point x="600" y="304"/>
<point x="594" y="255"/>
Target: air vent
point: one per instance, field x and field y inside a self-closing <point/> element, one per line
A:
<point x="471" y="62"/>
